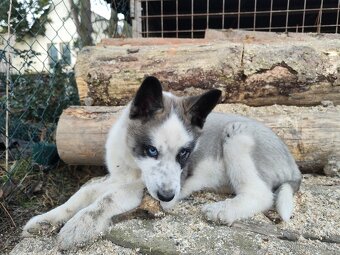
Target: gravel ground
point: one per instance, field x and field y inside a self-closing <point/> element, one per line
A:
<point x="47" y="246"/>
<point x="315" y="227"/>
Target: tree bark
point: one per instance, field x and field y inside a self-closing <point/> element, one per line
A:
<point x="251" y="68"/>
<point x="84" y="24"/>
<point x="311" y="133"/>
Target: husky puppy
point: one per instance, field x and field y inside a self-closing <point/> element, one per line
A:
<point x="173" y="147"/>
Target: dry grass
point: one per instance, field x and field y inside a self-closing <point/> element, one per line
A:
<point x="35" y="193"/>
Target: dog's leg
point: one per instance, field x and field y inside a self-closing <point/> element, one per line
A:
<point x="59" y="215"/>
<point x="252" y="193"/>
<point x="94" y="220"/>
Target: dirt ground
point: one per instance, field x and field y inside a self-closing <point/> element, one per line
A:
<point x="316" y="220"/>
<point x="314" y="229"/>
<point x="39" y="192"/>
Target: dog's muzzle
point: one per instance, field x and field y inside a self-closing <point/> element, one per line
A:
<point x="165" y="196"/>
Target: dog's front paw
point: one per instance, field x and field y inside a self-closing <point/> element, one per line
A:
<point x="80" y="230"/>
<point x="219" y="213"/>
<point x="40" y="225"/>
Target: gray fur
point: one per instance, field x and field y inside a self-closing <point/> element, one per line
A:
<point x="273" y="161"/>
<point x="139" y="130"/>
<point x="271" y="156"/>
<point x="231" y="153"/>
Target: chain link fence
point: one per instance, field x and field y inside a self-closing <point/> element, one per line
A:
<point x="39" y="41"/>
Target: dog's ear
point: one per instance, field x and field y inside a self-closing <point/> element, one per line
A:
<point x="198" y="107"/>
<point x="148" y="99"/>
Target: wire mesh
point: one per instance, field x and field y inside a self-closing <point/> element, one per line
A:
<point x="38" y="49"/>
<point x="190" y="18"/>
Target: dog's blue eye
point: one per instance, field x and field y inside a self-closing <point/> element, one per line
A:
<point x="151" y="151"/>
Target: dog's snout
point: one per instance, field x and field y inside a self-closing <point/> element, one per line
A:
<point x="165" y="196"/>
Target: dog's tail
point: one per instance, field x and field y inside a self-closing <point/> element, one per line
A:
<point x="285" y="199"/>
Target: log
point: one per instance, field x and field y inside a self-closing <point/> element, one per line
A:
<point x="249" y="67"/>
<point x="311" y="133"/>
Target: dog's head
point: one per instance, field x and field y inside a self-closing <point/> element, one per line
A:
<point x="162" y="134"/>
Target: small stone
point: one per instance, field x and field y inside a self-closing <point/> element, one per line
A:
<point x="327" y="103"/>
<point x="88" y="101"/>
<point x="332" y="168"/>
<point x="131" y="51"/>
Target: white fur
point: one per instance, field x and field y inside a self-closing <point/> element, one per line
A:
<point x="119" y="160"/>
<point x="285" y="201"/>
<point x="156" y="177"/>
<point x="59" y="215"/>
<point x="252" y="194"/>
<point x="164" y="173"/>
<point x="94" y="220"/>
<point x="87" y="214"/>
<point x="170" y="135"/>
<point x="209" y="174"/>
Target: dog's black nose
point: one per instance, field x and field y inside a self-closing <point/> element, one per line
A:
<point x="165" y="196"/>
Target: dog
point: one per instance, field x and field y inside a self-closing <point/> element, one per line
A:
<point x="174" y="146"/>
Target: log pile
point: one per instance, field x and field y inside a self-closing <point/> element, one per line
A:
<point x="251" y="68"/>
<point x="280" y="71"/>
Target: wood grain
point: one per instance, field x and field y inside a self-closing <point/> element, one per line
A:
<point x="311" y="133"/>
<point x="254" y="69"/>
